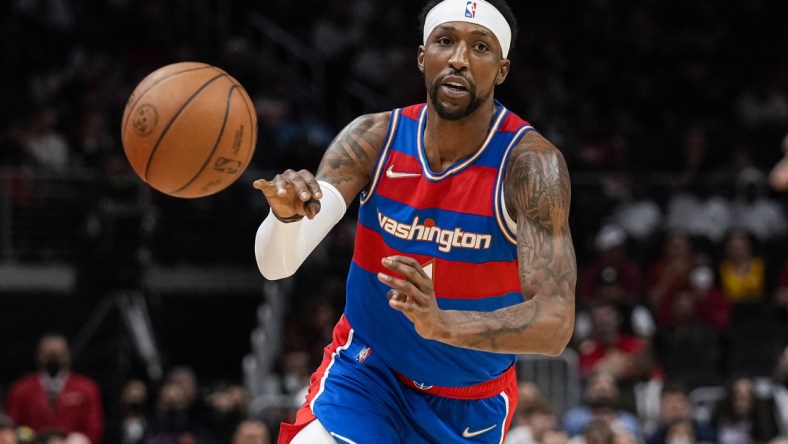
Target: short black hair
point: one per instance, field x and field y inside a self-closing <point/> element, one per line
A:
<point x="500" y="5"/>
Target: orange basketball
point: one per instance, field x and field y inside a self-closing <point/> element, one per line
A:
<point x="189" y="129"/>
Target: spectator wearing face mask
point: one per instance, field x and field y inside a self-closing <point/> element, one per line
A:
<point x="131" y="419"/>
<point x="54" y="397"/>
<point x="171" y="422"/>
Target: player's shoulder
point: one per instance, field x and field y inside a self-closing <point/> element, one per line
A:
<point x="535" y="160"/>
<point x="534" y="143"/>
<point x="382" y="120"/>
<point x="373" y="121"/>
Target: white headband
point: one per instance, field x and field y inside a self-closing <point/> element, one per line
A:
<point x="472" y="11"/>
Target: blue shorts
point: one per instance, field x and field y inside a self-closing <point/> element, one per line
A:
<point x="358" y="399"/>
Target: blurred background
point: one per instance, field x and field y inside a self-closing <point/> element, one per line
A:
<point x="670" y="115"/>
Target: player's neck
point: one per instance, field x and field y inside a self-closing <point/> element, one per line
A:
<point x="447" y="141"/>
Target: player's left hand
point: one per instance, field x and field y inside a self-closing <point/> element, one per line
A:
<point x="414" y="296"/>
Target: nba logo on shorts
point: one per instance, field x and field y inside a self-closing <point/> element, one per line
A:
<point x="363" y="354"/>
<point x="470" y="10"/>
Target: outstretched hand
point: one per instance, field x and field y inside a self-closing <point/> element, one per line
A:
<point x="414" y="296"/>
<point x="292" y="194"/>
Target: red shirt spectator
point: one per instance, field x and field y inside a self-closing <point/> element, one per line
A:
<point x="711" y="307"/>
<point x="627" y="358"/>
<point x="56" y="398"/>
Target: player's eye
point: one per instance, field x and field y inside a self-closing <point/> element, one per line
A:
<point x="445" y="41"/>
<point x="481" y="46"/>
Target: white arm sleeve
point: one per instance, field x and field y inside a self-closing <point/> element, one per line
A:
<point x="280" y="248"/>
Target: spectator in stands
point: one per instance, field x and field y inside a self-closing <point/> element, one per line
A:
<point x="229" y="406"/>
<point x="744" y="281"/>
<point x="616" y="278"/>
<point x="672" y="267"/>
<point x="682" y="431"/>
<point x="626" y="357"/>
<point x="555" y="436"/>
<point x="741" y="417"/>
<point x="531" y="420"/>
<point x="675" y="407"/>
<point x="56" y="397"/>
<point x="186" y="378"/>
<point x="688" y="348"/>
<point x="251" y="431"/>
<point x="296" y="370"/>
<point x="636" y="319"/>
<point x="710" y="305"/>
<point x="612" y="256"/>
<point x="601" y="431"/>
<point x="742" y="272"/>
<point x="601" y="400"/>
<point x="171" y="421"/>
<point x="528" y="391"/>
<point x="7" y="430"/>
<point x="133" y="411"/>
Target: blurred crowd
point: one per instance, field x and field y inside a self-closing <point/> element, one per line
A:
<point x="670" y="115"/>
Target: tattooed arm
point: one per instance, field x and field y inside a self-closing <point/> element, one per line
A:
<point x="348" y="162"/>
<point x="284" y="239"/>
<point x="347" y="165"/>
<point x="537" y="192"/>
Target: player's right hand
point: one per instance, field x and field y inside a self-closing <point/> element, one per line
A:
<point x="292" y="194"/>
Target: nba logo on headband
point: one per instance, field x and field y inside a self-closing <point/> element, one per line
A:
<point x="477" y="12"/>
<point x="470" y="9"/>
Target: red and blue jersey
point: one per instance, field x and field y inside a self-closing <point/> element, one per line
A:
<point x="455" y="224"/>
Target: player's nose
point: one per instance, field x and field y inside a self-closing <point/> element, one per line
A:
<point x="459" y="57"/>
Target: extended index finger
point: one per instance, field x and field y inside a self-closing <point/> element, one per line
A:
<point x="268" y="188"/>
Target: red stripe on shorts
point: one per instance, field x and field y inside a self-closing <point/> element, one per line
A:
<point x="305" y="415"/>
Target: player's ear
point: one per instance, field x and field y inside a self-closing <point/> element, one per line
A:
<point x="503" y="71"/>
<point x="420" y="58"/>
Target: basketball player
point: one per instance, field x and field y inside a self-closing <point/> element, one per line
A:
<point x="463" y="256"/>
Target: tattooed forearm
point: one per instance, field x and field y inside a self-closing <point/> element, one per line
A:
<point x="499" y="328"/>
<point x="537" y="192"/>
<point x="354" y="149"/>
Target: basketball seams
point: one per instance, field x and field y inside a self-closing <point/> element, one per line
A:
<point x="174" y="118"/>
<point x="216" y="143"/>
<point x="252" y="119"/>
<point x="177" y="136"/>
<point x="131" y="107"/>
<point x="253" y="122"/>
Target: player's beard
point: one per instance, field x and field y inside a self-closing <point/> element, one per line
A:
<point x="458" y="113"/>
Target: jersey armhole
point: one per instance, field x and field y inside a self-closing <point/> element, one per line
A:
<point x="507" y="225"/>
<point x="382" y="156"/>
